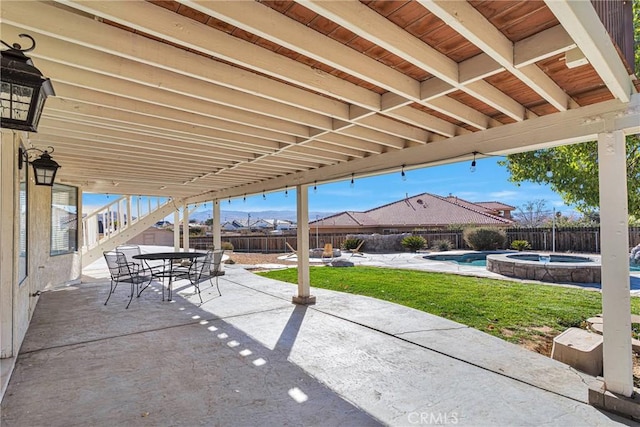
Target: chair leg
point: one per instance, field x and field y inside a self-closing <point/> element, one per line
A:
<point x="131" y="296"/>
<point x="217" y="286"/>
<point x="197" y="286"/>
<point x="112" y="289"/>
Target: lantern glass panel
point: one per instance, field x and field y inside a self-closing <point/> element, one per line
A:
<point x="42" y="96"/>
<point x="5" y="100"/>
<point x="45" y="176"/>
<point x="15" y="100"/>
<point x="21" y="100"/>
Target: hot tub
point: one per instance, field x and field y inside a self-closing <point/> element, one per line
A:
<point x="546" y="267"/>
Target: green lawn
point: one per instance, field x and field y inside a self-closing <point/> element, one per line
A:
<point x="520" y="313"/>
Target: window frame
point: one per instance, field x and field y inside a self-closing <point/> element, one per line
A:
<point x="54" y="221"/>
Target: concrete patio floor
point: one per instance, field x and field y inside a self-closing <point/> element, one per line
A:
<point x="251" y="357"/>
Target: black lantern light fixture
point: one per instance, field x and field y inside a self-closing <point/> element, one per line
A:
<point x="44" y="167"/>
<point x="23" y="88"/>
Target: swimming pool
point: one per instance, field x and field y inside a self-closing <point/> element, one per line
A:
<point x="478" y="259"/>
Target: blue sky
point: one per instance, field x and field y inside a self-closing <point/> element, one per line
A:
<point x="488" y="183"/>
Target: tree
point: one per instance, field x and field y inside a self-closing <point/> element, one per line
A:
<point x="532" y="214"/>
<point x="572" y="172"/>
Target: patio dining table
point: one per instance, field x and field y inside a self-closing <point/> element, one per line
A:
<point x="168" y="270"/>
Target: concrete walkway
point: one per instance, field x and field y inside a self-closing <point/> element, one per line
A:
<point x="251" y="357"/>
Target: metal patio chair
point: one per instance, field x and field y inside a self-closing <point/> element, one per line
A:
<point x="123" y="271"/>
<point x="130" y="251"/>
<point x="203" y="268"/>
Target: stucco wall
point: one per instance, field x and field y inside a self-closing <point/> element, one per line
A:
<point x="43" y="270"/>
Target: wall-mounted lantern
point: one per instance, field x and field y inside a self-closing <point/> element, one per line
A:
<point x="23" y="88"/>
<point x="44" y="167"/>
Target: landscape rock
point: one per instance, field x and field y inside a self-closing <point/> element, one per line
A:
<point x="342" y="263"/>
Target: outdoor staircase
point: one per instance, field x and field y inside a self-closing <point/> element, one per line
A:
<point x="120" y="222"/>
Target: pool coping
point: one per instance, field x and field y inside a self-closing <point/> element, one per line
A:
<point x="551" y="272"/>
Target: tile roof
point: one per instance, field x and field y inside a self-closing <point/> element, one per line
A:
<point x="419" y="211"/>
<point x="498" y="206"/>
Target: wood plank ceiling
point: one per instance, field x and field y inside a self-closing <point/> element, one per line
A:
<point x="206" y="99"/>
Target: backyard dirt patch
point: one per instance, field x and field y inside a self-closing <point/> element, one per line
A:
<point x="259" y="258"/>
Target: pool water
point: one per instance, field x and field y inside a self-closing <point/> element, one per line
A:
<point x="479" y="259"/>
<point x="550" y="258"/>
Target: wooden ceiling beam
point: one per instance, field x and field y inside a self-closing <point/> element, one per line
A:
<point x="467" y="21"/>
<point x="372" y="26"/>
<point x="585" y="27"/>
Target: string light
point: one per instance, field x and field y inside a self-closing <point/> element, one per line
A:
<point x="286" y="191"/>
<point x="549" y="171"/>
<point x="264" y="196"/>
<point x="229" y="200"/>
<point x="315" y="187"/>
<point x="352" y="182"/>
<point x="403" y="175"/>
<point x="244" y="198"/>
<point x="473" y="163"/>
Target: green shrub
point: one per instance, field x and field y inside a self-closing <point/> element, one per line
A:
<point x="485" y="238"/>
<point x="227" y="246"/>
<point x="351" y="243"/>
<point x="441" y="245"/>
<point x="520" y="245"/>
<point x="414" y="243"/>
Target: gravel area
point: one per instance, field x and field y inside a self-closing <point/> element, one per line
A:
<point x="258" y="258"/>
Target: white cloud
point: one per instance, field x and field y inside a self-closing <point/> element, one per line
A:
<point x="505" y="195"/>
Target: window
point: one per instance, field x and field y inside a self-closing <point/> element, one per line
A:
<point x="23" y="236"/>
<point x="64" y="219"/>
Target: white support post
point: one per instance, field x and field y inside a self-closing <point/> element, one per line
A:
<point x="302" y="206"/>
<point x="129" y="211"/>
<point x="614" y="229"/>
<point x="176" y="230"/>
<point x="185" y="228"/>
<point x="217" y="236"/>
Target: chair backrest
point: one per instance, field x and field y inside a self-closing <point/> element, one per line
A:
<point x="117" y="264"/>
<point x="210" y="264"/>
<point x="129" y="251"/>
<point x="328" y="250"/>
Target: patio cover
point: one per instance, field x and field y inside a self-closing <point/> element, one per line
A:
<point x="203" y="100"/>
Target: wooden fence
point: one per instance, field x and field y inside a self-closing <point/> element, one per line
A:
<point x="583" y="239"/>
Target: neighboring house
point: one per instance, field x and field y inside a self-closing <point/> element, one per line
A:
<point x="235" y="225"/>
<point x="421" y="211"/>
<point x="493" y="208"/>
<point x="280" y="224"/>
<point x="258" y="225"/>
